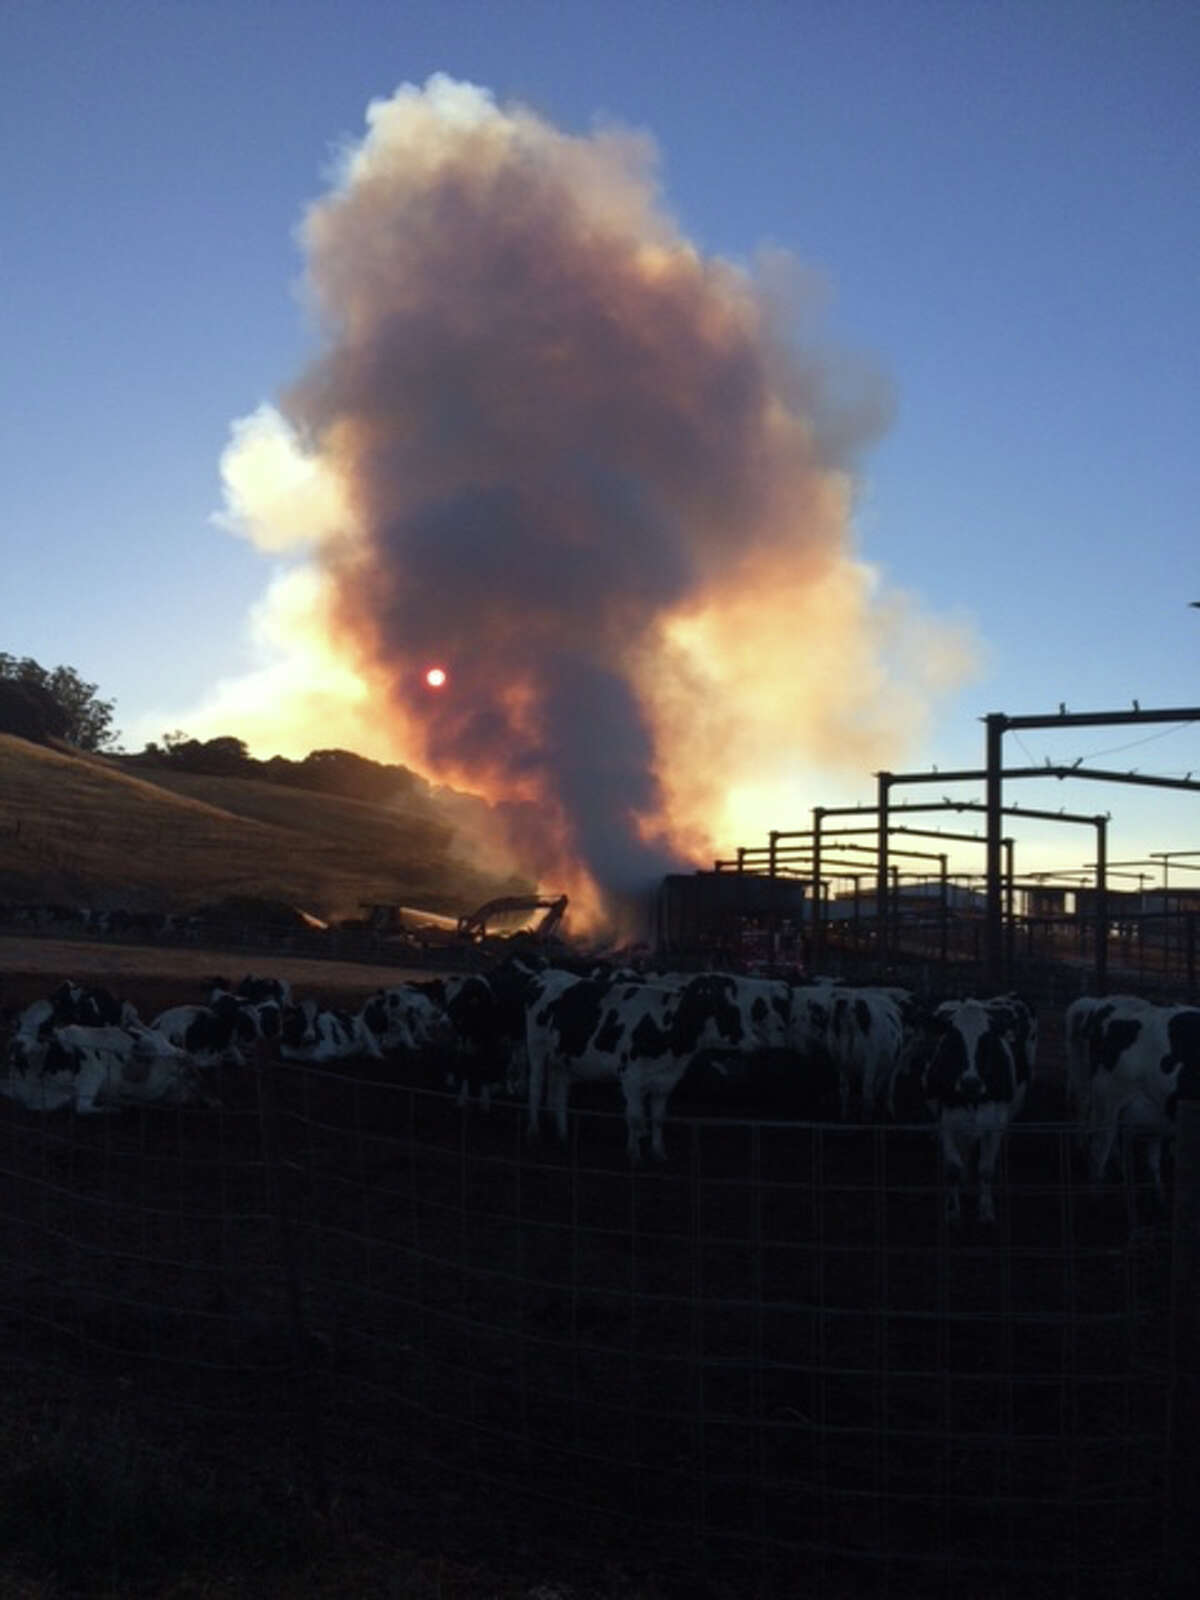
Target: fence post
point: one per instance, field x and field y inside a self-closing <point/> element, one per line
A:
<point x="696" y="1228"/>
<point x="1183" y="1446"/>
<point x="279" y="1204"/>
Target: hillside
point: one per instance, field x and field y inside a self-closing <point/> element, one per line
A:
<point x="77" y="828"/>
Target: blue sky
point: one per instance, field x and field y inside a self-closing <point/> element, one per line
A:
<point x="1000" y="201"/>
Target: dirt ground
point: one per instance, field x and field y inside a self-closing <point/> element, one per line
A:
<point x="154" y="978"/>
<point x="769" y="1338"/>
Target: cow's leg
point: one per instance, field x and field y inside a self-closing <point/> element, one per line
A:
<point x="989" y="1150"/>
<point x="1102" y="1134"/>
<point x="869" y="1091"/>
<point x="93" y="1077"/>
<point x="1079" y="1106"/>
<point x="658" y="1113"/>
<point x="634" y="1092"/>
<point x="952" y="1160"/>
<point x="516" y="1071"/>
<point x="557" y="1092"/>
<point x="1154" y="1152"/>
<point x="537" y="1086"/>
<point x="636" y="1125"/>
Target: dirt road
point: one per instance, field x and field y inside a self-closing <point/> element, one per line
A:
<point x="155" y="977"/>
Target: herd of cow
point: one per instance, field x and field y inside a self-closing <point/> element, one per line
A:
<point x="747" y="1046"/>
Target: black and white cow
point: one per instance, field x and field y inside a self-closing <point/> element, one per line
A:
<point x="253" y="990"/>
<point x="90" y="1069"/>
<point x="975" y="1063"/>
<point x="209" y="1037"/>
<point x="865" y="1036"/>
<point x="223" y="1033"/>
<point x="311" y="1032"/>
<point x="587" y="1030"/>
<point x="1136" y="1053"/>
<point x="644" y="1036"/>
<point x="71" y="1004"/>
<point x="87" y="1005"/>
<point x="481" y="1040"/>
<point x="740" y="1032"/>
<point x="405" y="1018"/>
<point x="1083" y="1023"/>
<point x="776" y="1064"/>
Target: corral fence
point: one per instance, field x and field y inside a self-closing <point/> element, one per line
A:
<point x="1144" y="950"/>
<point x="239" y="937"/>
<point x="1142" y="947"/>
<point x="771" y="1360"/>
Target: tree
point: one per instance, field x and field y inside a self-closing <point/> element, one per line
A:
<point x="224" y="756"/>
<point x="29" y="711"/>
<point x="343" y="772"/>
<point x="88" y="719"/>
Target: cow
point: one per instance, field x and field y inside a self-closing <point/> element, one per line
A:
<point x="254" y="990"/>
<point x="1083" y="1023"/>
<point x="405" y="1018"/>
<point x="217" y="1034"/>
<point x="1136" y="1055"/>
<point x="975" y="1061"/>
<point x="586" y="1030"/>
<point x="310" y="1032"/>
<point x="774" y="1062"/>
<point x="89" y="1006"/>
<point x="35" y="1022"/>
<point x="93" y="1069"/>
<point x="72" y="1004"/>
<point x="644" y="1036"/>
<point x="481" y="1039"/>
<point x="409" y="1022"/>
<point x="865" y="1036"/>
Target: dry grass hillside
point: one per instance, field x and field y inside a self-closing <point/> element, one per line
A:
<point x="76" y="828"/>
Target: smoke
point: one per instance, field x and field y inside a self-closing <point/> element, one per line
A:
<point x="552" y="448"/>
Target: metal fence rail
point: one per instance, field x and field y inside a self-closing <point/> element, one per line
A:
<point x="771" y="1355"/>
<point x="1157" y="948"/>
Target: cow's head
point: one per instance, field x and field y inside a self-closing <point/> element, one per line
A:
<point x="375" y="1014"/>
<point x="970" y="1056"/>
<point x="298" y="1025"/>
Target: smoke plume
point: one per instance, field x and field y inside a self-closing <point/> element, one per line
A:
<point x="551" y="448"/>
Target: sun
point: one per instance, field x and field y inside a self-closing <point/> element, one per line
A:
<point x="435" y="677"/>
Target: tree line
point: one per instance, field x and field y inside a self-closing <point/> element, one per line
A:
<point x="43" y="703"/>
<point x="337" y="772"/>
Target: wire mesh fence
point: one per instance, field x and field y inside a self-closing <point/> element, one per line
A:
<point x="770" y="1356"/>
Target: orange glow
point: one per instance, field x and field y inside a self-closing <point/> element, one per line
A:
<point x="435" y="677"/>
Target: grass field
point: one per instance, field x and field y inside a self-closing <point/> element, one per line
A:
<point x="76" y="828"/>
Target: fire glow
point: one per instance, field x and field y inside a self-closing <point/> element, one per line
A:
<point x="547" y="434"/>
